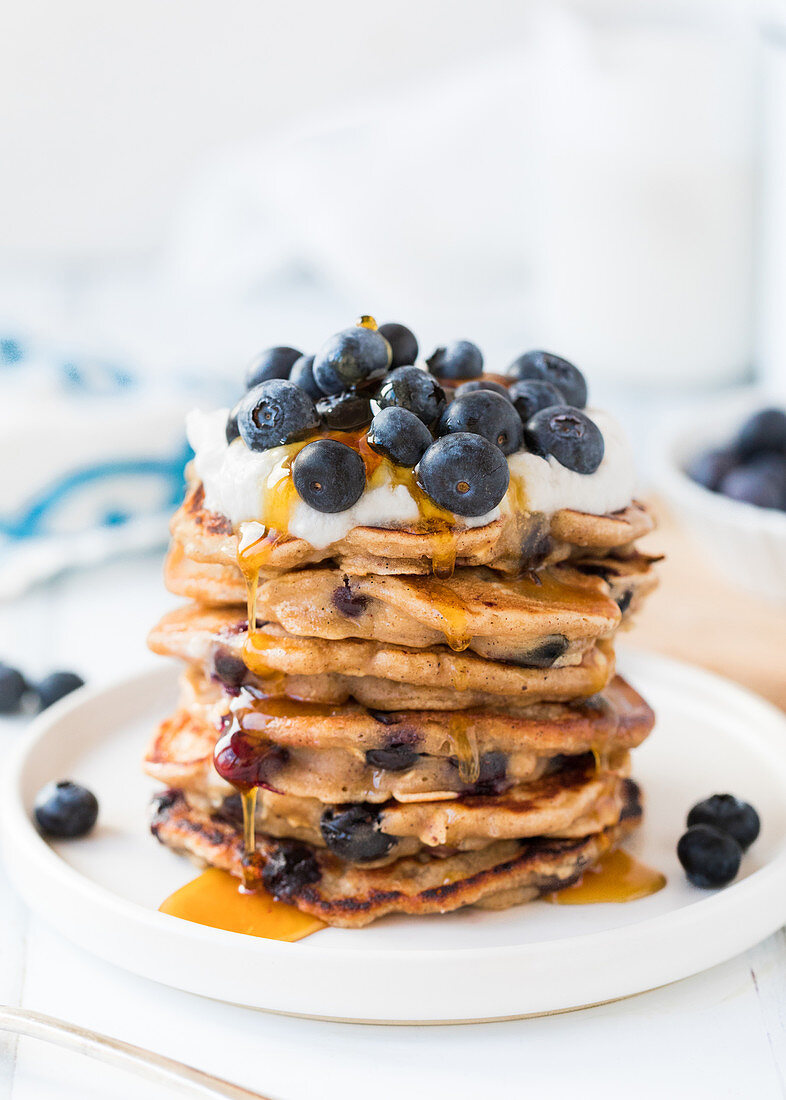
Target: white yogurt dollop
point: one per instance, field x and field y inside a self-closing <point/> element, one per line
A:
<point x="236" y="480"/>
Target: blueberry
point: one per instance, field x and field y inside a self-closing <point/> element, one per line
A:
<point x="399" y="435"/>
<point x="530" y="395"/>
<point x="396" y="757"/>
<point x="351" y="358"/>
<point x="348" y="603"/>
<point x="228" y="668"/>
<point x="569" y="435"/>
<point x="271" y="363"/>
<point x="729" y="815"/>
<point x="65" y="809"/>
<point x="302" y="374"/>
<point x="403" y="344"/>
<point x="551" y="368"/>
<point x="274" y="413"/>
<point x="710" y="857"/>
<point x="246" y="759"/>
<point x="461" y="359"/>
<point x="289" y="868"/>
<point x="484" y="413"/>
<point x="482" y="384"/>
<point x="232" y="428"/>
<point x="760" y="481"/>
<point x="764" y="431"/>
<point x="12" y="688"/>
<point x="341" y="412"/>
<point x="416" y="390"/>
<point x="710" y="467"/>
<point x="353" y="833"/>
<point x="56" y="686"/>
<point x="545" y="653"/>
<point x="465" y="474"/>
<point x="329" y="476"/>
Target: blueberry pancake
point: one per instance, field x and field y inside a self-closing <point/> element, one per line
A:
<point x="406" y="577"/>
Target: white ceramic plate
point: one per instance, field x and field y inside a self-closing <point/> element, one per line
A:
<point x="103" y="891"/>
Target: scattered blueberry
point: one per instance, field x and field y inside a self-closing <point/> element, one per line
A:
<point x="302" y="374"/>
<point x="274" y="413"/>
<point x="353" y="833"/>
<point x="464" y="474"/>
<point x="729" y="815"/>
<point x="232" y="429"/>
<point x="328" y="475"/>
<point x="65" y="809"/>
<point x="396" y="757"/>
<point x="551" y="368"/>
<point x="414" y="389"/>
<point x="487" y="414"/>
<point x="56" y="686"/>
<point x="568" y="434"/>
<point x="762" y="432"/>
<point x="530" y="395"/>
<point x="12" y="689"/>
<point x="403" y="344"/>
<point x="710" y="467"/>
<point x="288" y="869"/>
<point x="351" y="358"/>
<point x="710" y="858"/>
<point x="482" y="384"/>
<point x="399" y="435"/>
<point x="461" y="359"/>
<point x="760" y="481"/>
<point x="271" y="363"/>
<point x="341" y="412"/>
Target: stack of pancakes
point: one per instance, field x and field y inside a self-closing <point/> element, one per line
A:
<point x="416" y="719"/>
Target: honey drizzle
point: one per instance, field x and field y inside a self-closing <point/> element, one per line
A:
<point x="248" y="800"/>
<point x="616" y="877"/>
<point x="465" y="746"/>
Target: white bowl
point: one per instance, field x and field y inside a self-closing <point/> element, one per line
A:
<point x="746" y="542"/>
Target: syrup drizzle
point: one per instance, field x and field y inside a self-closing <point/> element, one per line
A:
<point x="616" y="877"/>
<point x="464" y="744"/>
<point x="213" y="899"/>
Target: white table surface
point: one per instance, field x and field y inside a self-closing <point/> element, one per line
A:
<point x="721" y="1034"/>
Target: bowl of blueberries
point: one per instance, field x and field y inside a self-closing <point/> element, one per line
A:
<point x="725" y="474"/>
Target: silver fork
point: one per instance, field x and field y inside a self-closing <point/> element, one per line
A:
<point x="154" y="1067"/>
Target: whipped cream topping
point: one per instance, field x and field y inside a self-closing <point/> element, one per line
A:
<point x="236" y="481"/>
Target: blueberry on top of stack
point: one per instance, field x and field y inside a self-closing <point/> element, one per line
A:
<point x="450" y="423"/>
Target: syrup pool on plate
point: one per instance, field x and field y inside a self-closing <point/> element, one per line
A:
<point x="616" y="877"/>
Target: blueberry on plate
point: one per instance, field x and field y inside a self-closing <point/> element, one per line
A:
<point x="729" y="814"/>
<point x="764" y="431"/>
<point x="274" y="413"/>
<point x="710" y="858"/>
<point x="65" y="809"/>
<point x="568" y="434"/>
<point x="56" y="686"/>
<point x="484" y="413"/>
<point x="353" y="833"/>
<point x="461" y="359"/>
<point x="289" y="868"/>
<point x="482" y="384"/>
<point x="760" y="481"/>
<point x="12" y="689"/>
<point x="302" y="374"/>
<point x="464" y="474"/>
<point x="271" y="363"/>
<point x="399" y="435"/>
<point x="329" y="476"/>
<point x="530" y="395"/>
<point x="403" y="345"/>
<point x="710" y="467"/>
<point x="342" y="412"/>
<point x="416" y="390"/>
<point x="351" y="358"/>
<point x="551" y="368"/>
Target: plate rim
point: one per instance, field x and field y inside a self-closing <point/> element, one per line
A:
<point x="26" y="852"/>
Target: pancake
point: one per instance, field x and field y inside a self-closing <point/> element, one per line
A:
<point x="202" y="636"/>
<point x="505" y="873"/>
<point x="351" y="754"/>
<point x="517" y="540"/>
<point x="547" y="618"/>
